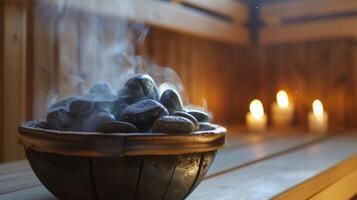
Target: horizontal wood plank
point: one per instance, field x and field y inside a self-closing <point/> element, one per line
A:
<point x="318" y="30"/>
<point x="266" y="179"/>
<point x="166" y="15"/>
<point x="13" y="167"/>
<point x="235" y="158"/>
<point x="236" y="10"/>
<point x="283" y="10"/>
<point x="342" y="189"/>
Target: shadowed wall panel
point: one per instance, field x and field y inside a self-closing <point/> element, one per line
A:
<point x="14" y="72"/>
<point x="2" y="7"/>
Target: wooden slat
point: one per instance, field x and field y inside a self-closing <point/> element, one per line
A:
<point x="14" y="81"/>
<point x="352" y="87"/>
<point x="233" y="9"/>
<point x="13" y="167"/>
<point x="318" y="30"/>
<point x="43" y="55"/>
<point x="2" y="9"/>
<point x="282" y="10"/>
<point x="257" y="151"/>
<point x="166" y="15"/>
<point x="22" y="179"/>
<point x="266" y="179"/>
<point x="342" y="189"/>
<point x="68" y="47"/>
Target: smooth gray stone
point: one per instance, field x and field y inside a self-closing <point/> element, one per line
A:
<point x="59" y="119"/>
<point x="120" y="104"/>
<point x="188" y="116"/>
<point x="200" y="115"/>
<point x="206" y="126"/>
<point x="143" y="113"/>
<point x="140" y="87"/>
<point x="88" y="104"/>
<point x="172" y="124"/>
<point x="101" y="88"/>
<point x="117" y="127"/>
<point x="63" y="103"/>
<point x="95" y="120"/>
<point x="171" y="100"/>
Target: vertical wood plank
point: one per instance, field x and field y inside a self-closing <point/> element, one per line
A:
<point x="352" y="89"/>
<point x="14" y="80"/>
<point x="29" y="51"/>
<point x="43" y="55"/>
<point x="68" y="43"/>
<point x="2" y="9"/>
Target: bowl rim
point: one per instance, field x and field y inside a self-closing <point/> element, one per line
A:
<point x="96" y="144"/>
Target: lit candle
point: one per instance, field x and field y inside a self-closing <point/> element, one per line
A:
<point x="256" y="119"/>
<point x="318" y="118"/>
<point x="282" y="110"/>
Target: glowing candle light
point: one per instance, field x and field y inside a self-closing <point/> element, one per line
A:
<point x="256" y="118"/>
<point x="318" y="118"/>
<point x="282" y="110"/>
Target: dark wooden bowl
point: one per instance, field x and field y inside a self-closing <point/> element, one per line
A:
<point x="81" y="165"/>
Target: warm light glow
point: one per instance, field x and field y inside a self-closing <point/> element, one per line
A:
<point x="282" y="99"/>
<point x="317" y="108"/>
<point x="256" y="108"/>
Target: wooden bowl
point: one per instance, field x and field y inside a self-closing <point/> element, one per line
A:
<point x="83" y="165"/>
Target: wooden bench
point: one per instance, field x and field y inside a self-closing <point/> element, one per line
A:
<point x="271" y="165"/>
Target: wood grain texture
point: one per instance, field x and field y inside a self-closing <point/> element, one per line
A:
<point x="2" y="10"/>
<point x="43" y="67"/>
<point x="299" y="171"/>
<point x="167" y="15"/>
<point x="310" y="31"/>
<point x="283" y="10"/>
<point x="14" y="81"/>
<point x="77" y="171"/>
<point x="236" y="10"/>
<point x="341" y="189"/>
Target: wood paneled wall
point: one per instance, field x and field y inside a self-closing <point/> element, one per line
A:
<point x="324" y="69"/>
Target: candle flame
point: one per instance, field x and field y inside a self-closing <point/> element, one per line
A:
<point x="256" y="108"/>
<point x="317" y="108"/>
<point x="282" y="99"/>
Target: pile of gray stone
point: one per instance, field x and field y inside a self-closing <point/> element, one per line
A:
<point x="137" y="107"/>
